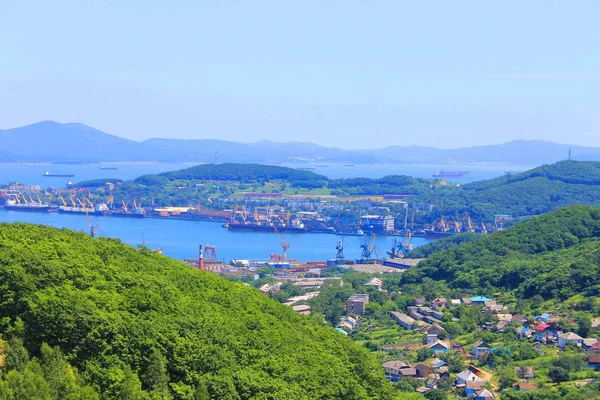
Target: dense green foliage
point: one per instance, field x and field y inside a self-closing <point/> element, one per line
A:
<point x="555" y="256"/>
<point x="138" y="325"/>
<point x="534" y="192"/>
<point x="392" y="184"/>
<point x="242" y="173"/>
<point x="441" y="245"/>
<point x="97" y="183"/>
<point x="49" y="377"/>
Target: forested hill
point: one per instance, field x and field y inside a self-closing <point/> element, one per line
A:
<point x="533" y="192"/>
<point x="241" y="172"/>
<point x="555" y="256"/>
<point x="138" y="325"/>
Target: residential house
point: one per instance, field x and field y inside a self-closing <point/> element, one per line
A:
<point x="524" y="373"/>
<point x="480" y="349"/>
<point x="524" y="332"/>
<point x="466" y="301"/>
<point x="479" y="300"/>
<point x="375" y="283"/>
<point x="543" y="318"/>
<point x="356" y="304"/>
<point x="455" y="302"/>
<point x="432" y="381"/>
<point x="437" y="363"/>
<point x="588" y="344"/>
<point x="504" y="317"/>
<point x="466" y="376"/>
<point x="431" y="338"/>
<point x="340" y="330"/>
<point x="439" y="347"/>
<point x="484" y="394"/>
<point x="594" y="361"/>
<point x="404" y="320"/>
<point x="444" y="373"/>
<point x="501" y="325"/>
<point x="408" y="373"/>
<point x="434" y="329"/>
<point x="439" y="303"/>
<point x="302" y="309"/>
<point x="420" y="301"/>
<point x="569" y="337"/>
<point x="595" y="322"/>
<point x="595" y="348"/>
<point x="392" y="369"/>
<point x="545" y="333"/>
<point x="519" y="319"/>
<point x="423" y="370"/>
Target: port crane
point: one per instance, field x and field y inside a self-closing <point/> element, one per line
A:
<point x="443" y="225"/>
<point x="470" y="227"/>
<point x="399" y="250"/>
<point x="339" y="258"/>
<point x="368" y="248"/>
<point x="284" y="244"/>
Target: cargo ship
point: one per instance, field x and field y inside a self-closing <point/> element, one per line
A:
<point x="100" y="209"/>
<point x="12" y="205"/>
<point x="138" y="213"/>
<point x="49" y="174"/>
<point x="264" y="228"/>
<point x="449" y="174"/>
<point x="433" y="234"/>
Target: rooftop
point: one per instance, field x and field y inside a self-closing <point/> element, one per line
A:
<point x="361" y="298"/>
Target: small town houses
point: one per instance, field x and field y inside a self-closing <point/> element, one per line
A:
<point x="427" y="318"/>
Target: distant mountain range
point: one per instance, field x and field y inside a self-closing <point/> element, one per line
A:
<point x="50" y="141"/>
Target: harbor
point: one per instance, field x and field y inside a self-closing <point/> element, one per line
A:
<point x="180" y="238"/>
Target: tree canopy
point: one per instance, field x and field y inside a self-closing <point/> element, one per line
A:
<point x="135" y="324"/>
<point x="555" y="256"/>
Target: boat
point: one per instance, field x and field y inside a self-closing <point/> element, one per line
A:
<point x="138" y="213"/>
<point x="107" y="168"/>
<point x="449" y="174"/>
<point x="48" y="174"/>
<point x="100" y="209"/>
<point x="12" y="205"/>
<point x="348" y="165"/>
<point x="322" y="166"/>
<point x="264" y="228"/>
<point x="306" y="169"/>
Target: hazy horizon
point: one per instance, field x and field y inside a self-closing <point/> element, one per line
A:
<point x="290" y="141"/>
<point x="352" y="75"/>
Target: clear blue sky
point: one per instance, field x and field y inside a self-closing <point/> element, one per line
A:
<point x="352" y="74"/>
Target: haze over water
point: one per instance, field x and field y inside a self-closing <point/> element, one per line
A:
<point x="31" y="174"/>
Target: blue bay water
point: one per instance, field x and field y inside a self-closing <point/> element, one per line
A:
<point x="180" y="239"/>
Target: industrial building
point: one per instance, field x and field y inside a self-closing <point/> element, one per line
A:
<point x="377" y="223"/>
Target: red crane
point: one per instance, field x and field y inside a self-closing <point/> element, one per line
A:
<point x="284" y="244"/>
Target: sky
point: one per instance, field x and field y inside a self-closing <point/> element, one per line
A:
<point x="349" y="74"/>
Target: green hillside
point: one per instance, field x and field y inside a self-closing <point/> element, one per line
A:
<point x="533" y="192"/>
<point x="556" y="255"/>
<point x="138" y="325"/>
